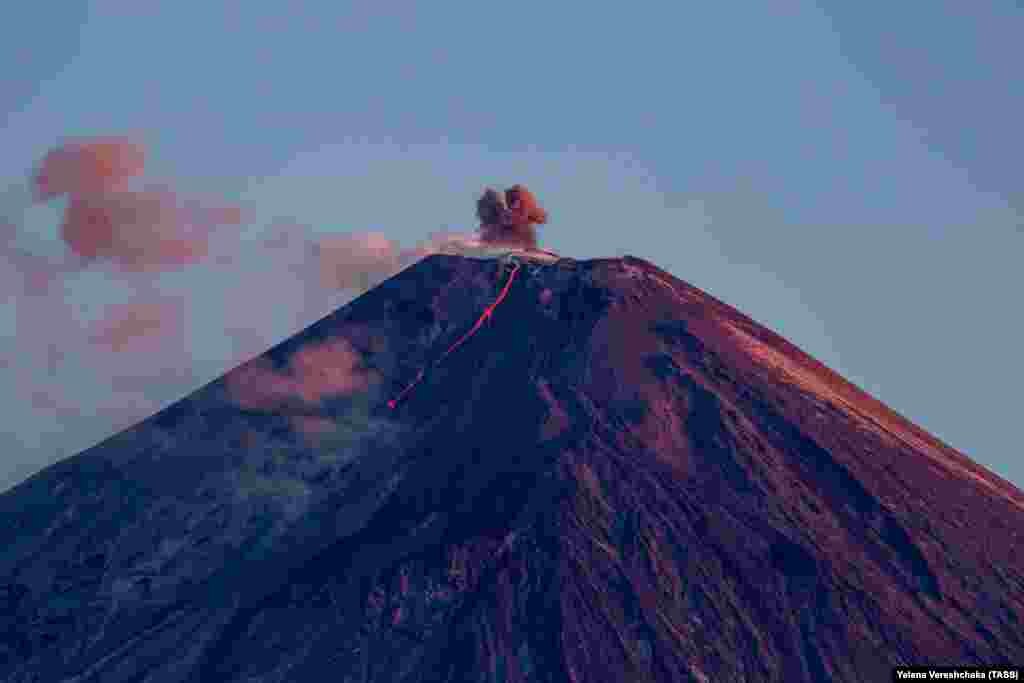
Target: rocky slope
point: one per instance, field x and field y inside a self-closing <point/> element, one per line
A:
<point x="614" y="478"/>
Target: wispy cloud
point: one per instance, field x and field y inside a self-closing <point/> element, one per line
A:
<point x="138" y="326"/>
<point x="329" y="370"/>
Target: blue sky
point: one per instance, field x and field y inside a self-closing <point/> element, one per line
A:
<point x="846" y="173"/>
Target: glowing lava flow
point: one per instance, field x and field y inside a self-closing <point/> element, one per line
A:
<point x="488" y="312"/>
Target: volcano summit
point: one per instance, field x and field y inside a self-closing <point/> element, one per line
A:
<point x="611" y="476"/>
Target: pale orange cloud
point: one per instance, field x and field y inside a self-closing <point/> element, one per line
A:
<point x="88" y="166"/>
<point x="356" y="260"/>
<point x="137" y="326"/>
<point x="105" y="219"/>
<point x="315" y="372"/>
<point x="141" y="230"/>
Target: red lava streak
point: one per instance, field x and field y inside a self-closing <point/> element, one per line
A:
<point x="488" y="312"/>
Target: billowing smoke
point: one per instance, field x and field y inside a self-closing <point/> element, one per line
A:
<point x="509" y="218"/>
<point x="522" y="236"/>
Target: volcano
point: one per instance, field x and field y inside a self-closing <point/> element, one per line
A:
<point x="515" y="470"/>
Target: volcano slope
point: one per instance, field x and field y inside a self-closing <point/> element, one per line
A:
<point x="615" y="478"/>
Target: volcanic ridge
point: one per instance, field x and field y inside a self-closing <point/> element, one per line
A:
<point x="516" y="469"/>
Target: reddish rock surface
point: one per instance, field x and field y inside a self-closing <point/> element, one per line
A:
<point x="616" y="478"/>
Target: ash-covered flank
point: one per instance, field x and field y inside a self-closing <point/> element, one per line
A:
<point x="615" y="478"/>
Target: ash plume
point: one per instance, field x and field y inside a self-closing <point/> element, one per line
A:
<point x="509" y="218"/>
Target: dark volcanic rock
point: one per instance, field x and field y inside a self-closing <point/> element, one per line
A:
<point x="618" y="478"/>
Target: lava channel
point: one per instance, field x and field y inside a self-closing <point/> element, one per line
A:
<point x="488" y="312"/>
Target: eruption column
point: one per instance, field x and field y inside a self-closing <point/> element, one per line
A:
<point x="488" y="312"/>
